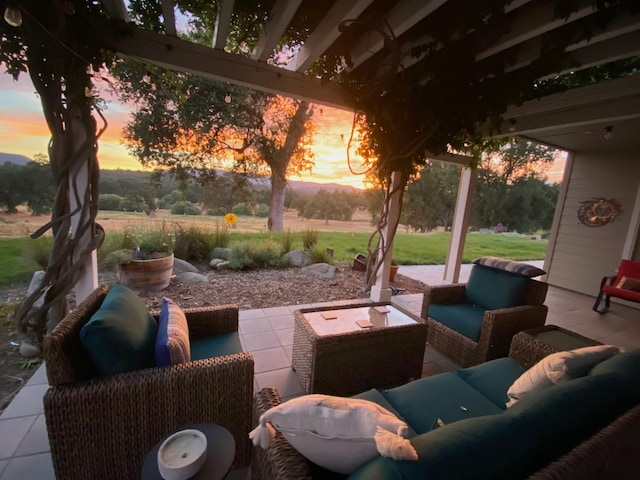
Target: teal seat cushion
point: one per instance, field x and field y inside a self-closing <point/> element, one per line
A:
<point x="464" y="318"/>
<point x="120" y="336"/>
<point x="484" y="448"/>
<point x="494" y="289"/>
<point x="445" y="396"/>
<point x="625" y="367"/>
<point x="561" y="416"/>
<point x="375" y="396"/>
<point x="216" y="346"/>
<point x="493" y="378"/>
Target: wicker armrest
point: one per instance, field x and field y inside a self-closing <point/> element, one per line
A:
<point x="210" y="321"/>
<point x="527" y="350"/>
<point x="442" y="295"/>
<point x="123" y="416"/>
<point x="499" y="327"/>
<point x="280" y="461"/>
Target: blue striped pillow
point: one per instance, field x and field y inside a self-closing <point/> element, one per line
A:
<point x="518" y="268"/>
<point x="172" y="342"/>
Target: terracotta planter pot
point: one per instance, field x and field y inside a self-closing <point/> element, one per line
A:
<point x="146" y="275"/>
<point x="393" y="269"/>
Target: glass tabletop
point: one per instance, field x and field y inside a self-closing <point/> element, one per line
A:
<point x="345" y="320"/>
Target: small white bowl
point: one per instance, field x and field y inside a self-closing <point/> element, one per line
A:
<point x="182" y="454"/>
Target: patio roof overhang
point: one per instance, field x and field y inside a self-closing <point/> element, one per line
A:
<point x="531" y="24"/>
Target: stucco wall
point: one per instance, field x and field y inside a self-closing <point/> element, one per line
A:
<point x="579" y="256"/>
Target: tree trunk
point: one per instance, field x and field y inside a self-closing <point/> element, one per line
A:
<point x="275" y="222"/>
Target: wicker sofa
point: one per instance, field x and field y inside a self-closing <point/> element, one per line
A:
<point x="103" y="426"/>
<point x="587" y="428"/>
<point x="474" y="322"/>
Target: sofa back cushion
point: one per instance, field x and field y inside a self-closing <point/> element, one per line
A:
<point x="563" y="415"/>
<point x="625" y="368"/>
<point x="486" y="448"/>
<point x="494" y="289"/>
<point x="120" y="336"/>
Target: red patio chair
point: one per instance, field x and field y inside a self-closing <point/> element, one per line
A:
<point x="625" y="285"/>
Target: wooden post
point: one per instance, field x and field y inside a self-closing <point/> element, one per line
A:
<point x="460" y="225"/>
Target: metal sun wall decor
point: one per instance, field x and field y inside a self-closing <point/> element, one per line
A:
<point x="598" y="212"/>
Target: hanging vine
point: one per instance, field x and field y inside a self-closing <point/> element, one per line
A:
<point x="55" y="44"/>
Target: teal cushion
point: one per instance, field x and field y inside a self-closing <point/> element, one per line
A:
<point x="375" y="396"/>
<point x="485" y="448"/>
<point x="216" y="346"/>
<point x="563" y="415"/>
<point x="464" y="318"/>
<point x="625" y="367"/>
<point x="493" y="378"/>
<point x="494" y="289"/>
<point x="120" y="336"/>
<point x="445" y="396"/>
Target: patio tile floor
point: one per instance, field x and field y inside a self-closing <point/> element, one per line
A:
<point x="268" y="334"/>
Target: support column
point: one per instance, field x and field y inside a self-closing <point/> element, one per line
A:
<point x="380" y="292"/>
<point x="88" y="278"/>
<point x="460" y="225"/>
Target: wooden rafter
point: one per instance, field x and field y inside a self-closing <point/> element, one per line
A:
<point x="282" y="13"/>
<point x="221" y="30"/>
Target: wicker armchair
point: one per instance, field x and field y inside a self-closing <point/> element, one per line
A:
<point x="498" y="326"/>
<point x="104" y="426"/>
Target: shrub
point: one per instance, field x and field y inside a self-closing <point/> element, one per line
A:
<point x="262" y="211"/>
<point x="286" y="241"/>
<point x="193" y="243"/>
<point x="264" y="254"/>
<point x="309" y="238"/>
<point x="38" y="250"/>
<point x="185" y="208"/>
<point x="241" y="209"/>
<point x="129" y="204"/>
<point x="217" y="211"/>
<point x="110" y="201"/>
<point x="219" y="236"/>
<point x="318" y="254"/>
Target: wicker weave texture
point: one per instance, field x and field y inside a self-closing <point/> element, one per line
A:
<point x="350" y="363"/>
<point x="105" y="426"/>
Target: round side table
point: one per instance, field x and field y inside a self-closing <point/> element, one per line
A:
<point x="221" y="449"/>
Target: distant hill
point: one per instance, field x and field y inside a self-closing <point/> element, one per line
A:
<point x="14" y="158"/>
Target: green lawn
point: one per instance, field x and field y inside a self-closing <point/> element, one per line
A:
<point x="16" y="266"/>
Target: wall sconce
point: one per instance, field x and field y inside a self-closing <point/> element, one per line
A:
<point x="146" y="78"/>
<point x="227" y="98"/>
<point x="512" y="125"/>
<point x="608" y="133"/>
<point x="13" y="16"/>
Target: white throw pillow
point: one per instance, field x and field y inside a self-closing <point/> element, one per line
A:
<point x="334" y="432"/>
<point x="558" y="366"/>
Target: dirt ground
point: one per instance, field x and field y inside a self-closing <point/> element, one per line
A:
<point x="248" y="289"/>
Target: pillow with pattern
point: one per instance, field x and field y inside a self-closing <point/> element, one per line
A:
<point x="172" y="341"/>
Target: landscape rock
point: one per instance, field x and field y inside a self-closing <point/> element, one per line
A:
<point x="182" y="266"/>
<point x="322" y="270"/>
<point x="215" y="261"/>
<point x="220" y="252"/>
<point x="297" y="258"/>
<point x="223" y="266"/>
<point x="191" y="277"/>
<point x="28" y="351"/>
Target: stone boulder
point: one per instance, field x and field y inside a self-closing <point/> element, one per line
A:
<point x="191" y="277"/>
<point x="223" y="266"/>
<point x="322" y="270"/>
<point x="297" y="258"/>
<point x="214" y="262"/>
<point x="220" y="252"/>
<point x="182" y="266"/>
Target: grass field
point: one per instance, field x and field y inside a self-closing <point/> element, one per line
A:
<point x="346" y="238"/>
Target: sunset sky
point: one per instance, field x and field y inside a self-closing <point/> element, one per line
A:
<point x="24" y="131"/>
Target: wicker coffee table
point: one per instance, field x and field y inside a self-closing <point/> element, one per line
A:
<point x="333" y="355"/>
<point x="531" y="346"/>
